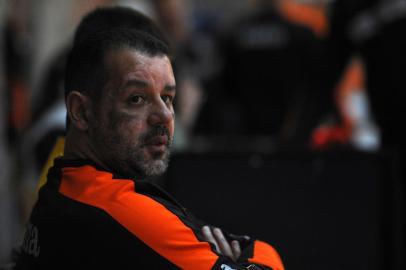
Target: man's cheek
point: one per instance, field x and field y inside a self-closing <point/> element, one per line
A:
<point x="126" y="121"/>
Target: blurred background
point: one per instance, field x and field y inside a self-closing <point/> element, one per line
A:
<point x="290" y="111"/>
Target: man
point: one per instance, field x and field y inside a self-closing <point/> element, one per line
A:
<point x="96" y="209"/>
<point x="47" y="123"/>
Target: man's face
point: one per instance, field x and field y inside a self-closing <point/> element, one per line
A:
<point x="132" y="126"/>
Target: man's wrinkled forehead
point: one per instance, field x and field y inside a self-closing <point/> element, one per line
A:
<point x="128" y="66"/>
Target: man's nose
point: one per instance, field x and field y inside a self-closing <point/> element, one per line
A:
<point x="160" y="114"/>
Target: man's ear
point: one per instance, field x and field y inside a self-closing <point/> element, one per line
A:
<point x="79" y="108"/>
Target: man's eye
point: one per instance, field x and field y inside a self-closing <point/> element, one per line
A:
<point x="167" y="99"/>
<point x="136" y="100"/>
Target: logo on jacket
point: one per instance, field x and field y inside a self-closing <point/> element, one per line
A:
<point x="30" y="243"/>
<point x="226" y="267"/>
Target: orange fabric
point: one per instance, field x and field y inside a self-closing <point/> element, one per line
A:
<point x="354" y="77"/>
<point x="20" y="115"/>
<point x="266" y="255"/>
<point x="353" y="80"/>
<point x="140" y="215"/>
<point x="305" y="14"/>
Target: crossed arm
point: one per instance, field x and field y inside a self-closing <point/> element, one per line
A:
<point x="238" y="248"/>
<point x="216" y="237"/>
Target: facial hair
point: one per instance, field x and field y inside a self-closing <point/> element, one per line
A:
<point x="158" y="163"/>
<point x="128" y="159"/>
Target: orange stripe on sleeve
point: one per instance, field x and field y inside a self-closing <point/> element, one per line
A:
<point x="147" y="219"/>
<point x="266" y="255"/>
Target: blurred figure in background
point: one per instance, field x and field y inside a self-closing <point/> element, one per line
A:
<point x="16" y="59"/>
<point x="14" y="112"/>
<point x="270" y="67"/>
<point x="375" y="30"/>
<point x="357" y="128"/>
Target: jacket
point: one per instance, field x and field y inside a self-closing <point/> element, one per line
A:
<point x="89" y="218"/>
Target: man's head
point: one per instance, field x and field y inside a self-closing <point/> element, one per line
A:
<point x="111" y="18"/>
<point x="119" y="90"/>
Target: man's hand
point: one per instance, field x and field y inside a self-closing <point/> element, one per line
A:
<point x="223" y="247"/>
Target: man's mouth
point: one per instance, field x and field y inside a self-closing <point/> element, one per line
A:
<point x="157" y="143"/>
<point x="158" y="140"/>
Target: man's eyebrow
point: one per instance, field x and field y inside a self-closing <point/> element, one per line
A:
<point x="136" y="83"/>
<point x="170" y="88"/>
<point x="144" y="84"/>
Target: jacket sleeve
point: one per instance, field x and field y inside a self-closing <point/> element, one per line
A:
<point x="256" y="252"/>
<point x="263" y="254"/>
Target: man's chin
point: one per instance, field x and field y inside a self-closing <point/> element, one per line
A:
<point x="154" y="167"/>
<point x="153" y="163"/>
<point x="155" y="152"/>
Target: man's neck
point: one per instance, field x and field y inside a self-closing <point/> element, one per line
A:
<point x="77" y="146"/>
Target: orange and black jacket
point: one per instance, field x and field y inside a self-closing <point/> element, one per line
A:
<point x="88" y="218"/>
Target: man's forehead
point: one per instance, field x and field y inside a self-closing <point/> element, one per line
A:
<point x="137" y="53"/>
<point x="129" y="58"/>
<point x="128" y="64"/>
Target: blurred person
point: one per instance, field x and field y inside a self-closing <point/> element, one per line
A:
<point x="17" y="53"/>
<point x="353" y="103"/>
<point x="270" y="67"/>
<point x="357" y="127"/>
<point x="325" y="133"/>
<point x="97" y="209"/>
<point x="373" y="29"/>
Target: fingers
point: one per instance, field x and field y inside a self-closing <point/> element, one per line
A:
<point x="236" y="249"/>
<point x="208" y="235"/>
<point x="223" y="244"/>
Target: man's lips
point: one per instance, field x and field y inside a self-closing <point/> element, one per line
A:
<point x="158" y="144"/>
<point x="158" y="141"/>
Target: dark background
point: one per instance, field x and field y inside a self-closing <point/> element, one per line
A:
<point x="333" y="210"/>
